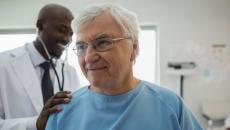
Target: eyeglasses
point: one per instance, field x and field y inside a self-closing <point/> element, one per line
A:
<point x="100" y="45"/>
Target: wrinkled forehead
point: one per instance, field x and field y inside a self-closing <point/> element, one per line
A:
<point x="104" y="24"/>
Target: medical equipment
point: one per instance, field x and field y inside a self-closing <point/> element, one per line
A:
<point x="61" y="86"/>
<point x="181" y="65"/>
<point x="181" y="69"/>
<point x="215" y="112"/>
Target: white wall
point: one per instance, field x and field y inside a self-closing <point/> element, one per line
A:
<point x="187" y="29"/>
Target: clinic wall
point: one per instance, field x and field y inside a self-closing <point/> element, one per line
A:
<point x="187" y="30"/>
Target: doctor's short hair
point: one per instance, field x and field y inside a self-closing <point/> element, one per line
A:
<point x="126" y="19"/>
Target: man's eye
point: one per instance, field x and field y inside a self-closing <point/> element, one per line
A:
<point x="81" y="47"/>
<point x="102" y="43"/>
<point x="63" y="29"/>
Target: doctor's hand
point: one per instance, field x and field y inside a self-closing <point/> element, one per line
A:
<point x="51" y="106"/>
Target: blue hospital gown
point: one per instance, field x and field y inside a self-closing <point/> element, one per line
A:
<point x="146" y="107"/>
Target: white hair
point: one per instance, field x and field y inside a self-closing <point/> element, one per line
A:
<point x="126" y="19"/>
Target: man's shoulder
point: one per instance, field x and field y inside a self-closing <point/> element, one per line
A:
<point x="9" y="55"/>
<point x="163" y="94"/>
<point x="80" y="92"/>
<point x="76" y="97"/>
<point x="159" y="90"/>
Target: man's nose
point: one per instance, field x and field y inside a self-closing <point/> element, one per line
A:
<point x="91" y="55"/>
<point x="67" y="39"/>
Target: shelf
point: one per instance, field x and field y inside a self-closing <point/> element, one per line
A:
<point x="180" y="71"/>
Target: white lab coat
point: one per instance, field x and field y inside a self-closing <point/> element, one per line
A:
<point x="20" y="92"/>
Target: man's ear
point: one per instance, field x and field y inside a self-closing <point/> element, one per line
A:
<point x="135" y="50"/>
<point x="39" y="25"/>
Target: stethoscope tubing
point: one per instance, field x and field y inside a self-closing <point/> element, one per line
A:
<point x="61" y="86"/>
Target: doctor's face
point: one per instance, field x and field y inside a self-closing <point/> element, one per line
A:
<point x="56" y="32"/>
<point x="104" y="67"/>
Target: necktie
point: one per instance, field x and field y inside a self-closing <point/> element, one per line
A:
<point x="47" y="86"/>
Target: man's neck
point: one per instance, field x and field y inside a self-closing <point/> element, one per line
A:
<point x="40" y="49"/>
<point x="118" y="89"/>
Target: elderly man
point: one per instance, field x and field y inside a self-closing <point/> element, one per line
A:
<point x="27" y="74"/>
<point x="107" y="46"/>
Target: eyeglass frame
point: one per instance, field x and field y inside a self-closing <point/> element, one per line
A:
<point x="87" y="44"/>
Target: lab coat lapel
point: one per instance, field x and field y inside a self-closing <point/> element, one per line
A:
<point x="26" y="73"/>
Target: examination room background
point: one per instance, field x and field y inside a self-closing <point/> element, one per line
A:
<point x="187" y="31"/>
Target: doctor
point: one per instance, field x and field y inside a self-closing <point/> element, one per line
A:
<point x="24" y="101"/>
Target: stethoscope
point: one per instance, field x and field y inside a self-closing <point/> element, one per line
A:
<point x="60" y="85"/>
